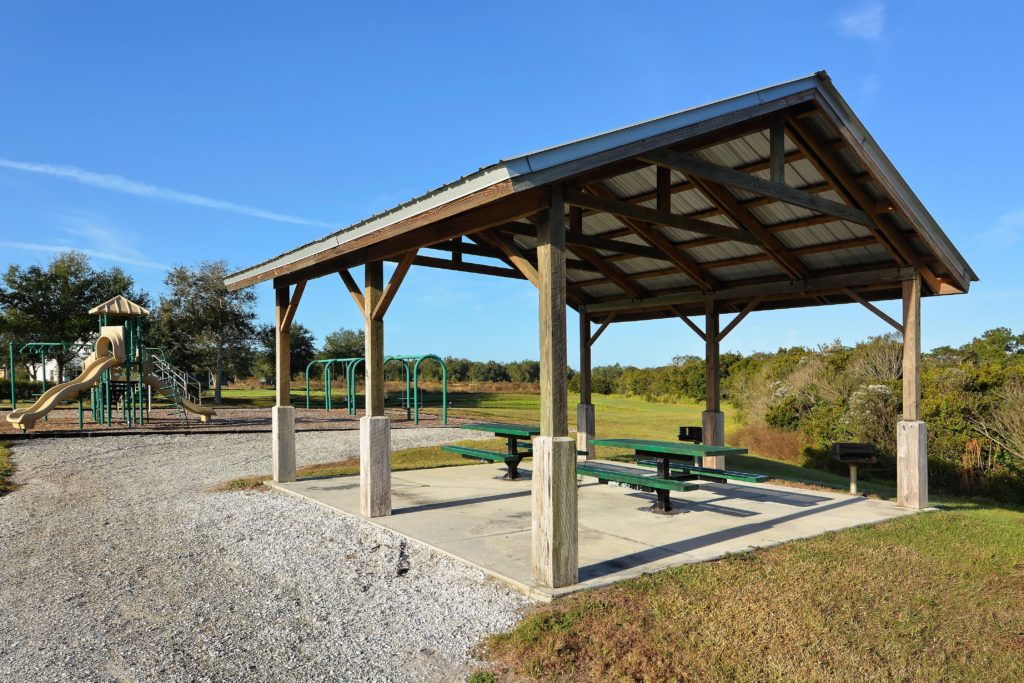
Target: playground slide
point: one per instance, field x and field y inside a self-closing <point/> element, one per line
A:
<point x="204" y="412"/>
<point x="25" y="418"/>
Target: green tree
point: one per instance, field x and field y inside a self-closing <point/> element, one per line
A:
<point x="303" y="350"/>
<point x="204" y="326"/>
<point x="51" y="303"/>
<point x="343" y="344"/>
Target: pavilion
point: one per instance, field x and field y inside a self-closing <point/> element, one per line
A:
<point x="773" y="199"/>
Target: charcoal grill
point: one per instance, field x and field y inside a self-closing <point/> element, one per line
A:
<point x="854" y="454"/>
<point x="691" y="434"/>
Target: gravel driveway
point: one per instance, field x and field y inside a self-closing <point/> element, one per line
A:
<point x="118" y="564"/>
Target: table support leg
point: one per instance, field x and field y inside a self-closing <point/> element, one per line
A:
<point x="513" y="460"/>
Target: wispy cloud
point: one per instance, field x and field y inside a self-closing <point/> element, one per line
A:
<point x="116" y="183"/>
<point x="1009" y="229"/>
<point x="90" y="235"/>
<point x="865" y="21"/>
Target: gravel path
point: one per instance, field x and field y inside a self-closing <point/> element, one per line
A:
<point x="118" y="564"/>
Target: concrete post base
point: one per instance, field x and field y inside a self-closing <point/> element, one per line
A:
<point x="912" y="464"/>
<point x="585" y="430"/>
<point x="283" y="437"/>
<point x="555" y="556"/>
<point x="713" y="422"/>
<point x="375" y="466"/>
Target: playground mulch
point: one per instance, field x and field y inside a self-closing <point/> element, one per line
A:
<point x="64" y="423"/>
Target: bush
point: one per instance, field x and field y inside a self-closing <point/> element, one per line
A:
<point x="24" y="389"/>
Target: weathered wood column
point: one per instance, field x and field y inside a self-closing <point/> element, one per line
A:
<point x="585" y="409"/>
<point x="911" y="432"/>
<point x="282" y="414"/>
<point x="374" y="426"/>
<point x="713" y="419"/>
<point x="555" y="560"/>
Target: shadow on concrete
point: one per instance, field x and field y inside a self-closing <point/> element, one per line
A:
<point x="654" y="554"/>
<point x="458" y="503"/>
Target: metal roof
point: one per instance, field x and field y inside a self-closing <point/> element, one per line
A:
<point x="818" y="242"/>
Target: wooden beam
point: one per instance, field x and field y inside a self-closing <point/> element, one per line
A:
<point x="393" y="284"/>
<point x="777" y="157"/>
<point x="600" y="330"/>
<point x="514" y="255"/>
<point x="874" y="309"/>
<point x="712" y="363"/>
<point x="594" y="242"/>
<point x="623" y="209"/>
<point x="694" y="166"/>
<point x="353" y="289"/>
<point x="739" y="318"/>
<point x="467" y="267"/>
<point x="804" y="287"/>
<point x="912" y="349"/>
<point x="374" y="364"/>
<point x="689" y="323"/>
<point x="293" y="305"/>
<point x="724" y="199"/>
<point x="585" y="369"/>
<point x="553" y="366"/>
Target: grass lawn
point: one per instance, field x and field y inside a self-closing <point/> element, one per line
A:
<point x="933" y="597"/>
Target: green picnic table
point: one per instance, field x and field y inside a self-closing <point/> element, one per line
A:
<point x="515" y="450"/>
<point x="666" y="453"/>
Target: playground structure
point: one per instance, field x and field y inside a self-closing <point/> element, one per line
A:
<point x="411" y="401"/>
<point x="121" y="372"/>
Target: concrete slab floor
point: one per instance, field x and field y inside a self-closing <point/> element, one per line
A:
<point x="472" y="514"/>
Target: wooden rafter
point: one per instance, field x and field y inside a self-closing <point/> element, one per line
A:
<point x="522" y="263"/>
<point x="626" y="210"/>
<point x="467" y="267"/>
<point x="725" y="200"/>
<point x="665" y="248"/>
<point x="695" y="167"/>
<point x="621" y="279"/>
<point x="839" y="177"/>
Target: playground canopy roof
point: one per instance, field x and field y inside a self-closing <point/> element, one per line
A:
<point x="776" y="198"/>
<point x="120" y="307"/>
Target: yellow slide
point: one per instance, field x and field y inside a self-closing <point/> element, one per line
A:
<point x="25" y="418"/>
<point x="109" y="353"/>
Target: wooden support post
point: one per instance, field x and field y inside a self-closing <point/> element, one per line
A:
<point x="911" y="432"/>
<point x="585" y="409"/>
<point x="777" y="153"/>
<point x="713" y="418"/>
<point x="283" y="415"/>
<point x="555" y="559"/>
<point x="374" y="426"/>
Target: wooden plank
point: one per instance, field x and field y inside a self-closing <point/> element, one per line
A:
<point x="912" y="349"/>
<point x="374" y="364"/>
<point x="552" y="302"/>
<point x="282" y="342"/>
<point x="293" y="306"/>
<point x="874" y="309"/>
<point x="739" y="318"/>
<point x="353" y="289"/>
<point x="623" y="209"/>
<point x="694" y="166"/>
<point x="393" y="284"/>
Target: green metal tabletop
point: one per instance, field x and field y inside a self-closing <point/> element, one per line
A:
<point x="669" y="448"/>
<point x="503" y="428"/>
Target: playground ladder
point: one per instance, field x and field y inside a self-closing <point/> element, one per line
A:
<point x="176" y="384"/>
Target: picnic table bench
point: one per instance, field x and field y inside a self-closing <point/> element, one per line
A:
<point x="516" y="449"/>
<point x="671" y="476"/>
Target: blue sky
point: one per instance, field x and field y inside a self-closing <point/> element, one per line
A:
<point x="151" y="134"/>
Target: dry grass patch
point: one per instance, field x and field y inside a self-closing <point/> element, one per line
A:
<point x="935" y="596"/>
<point x="6" y="469"/>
